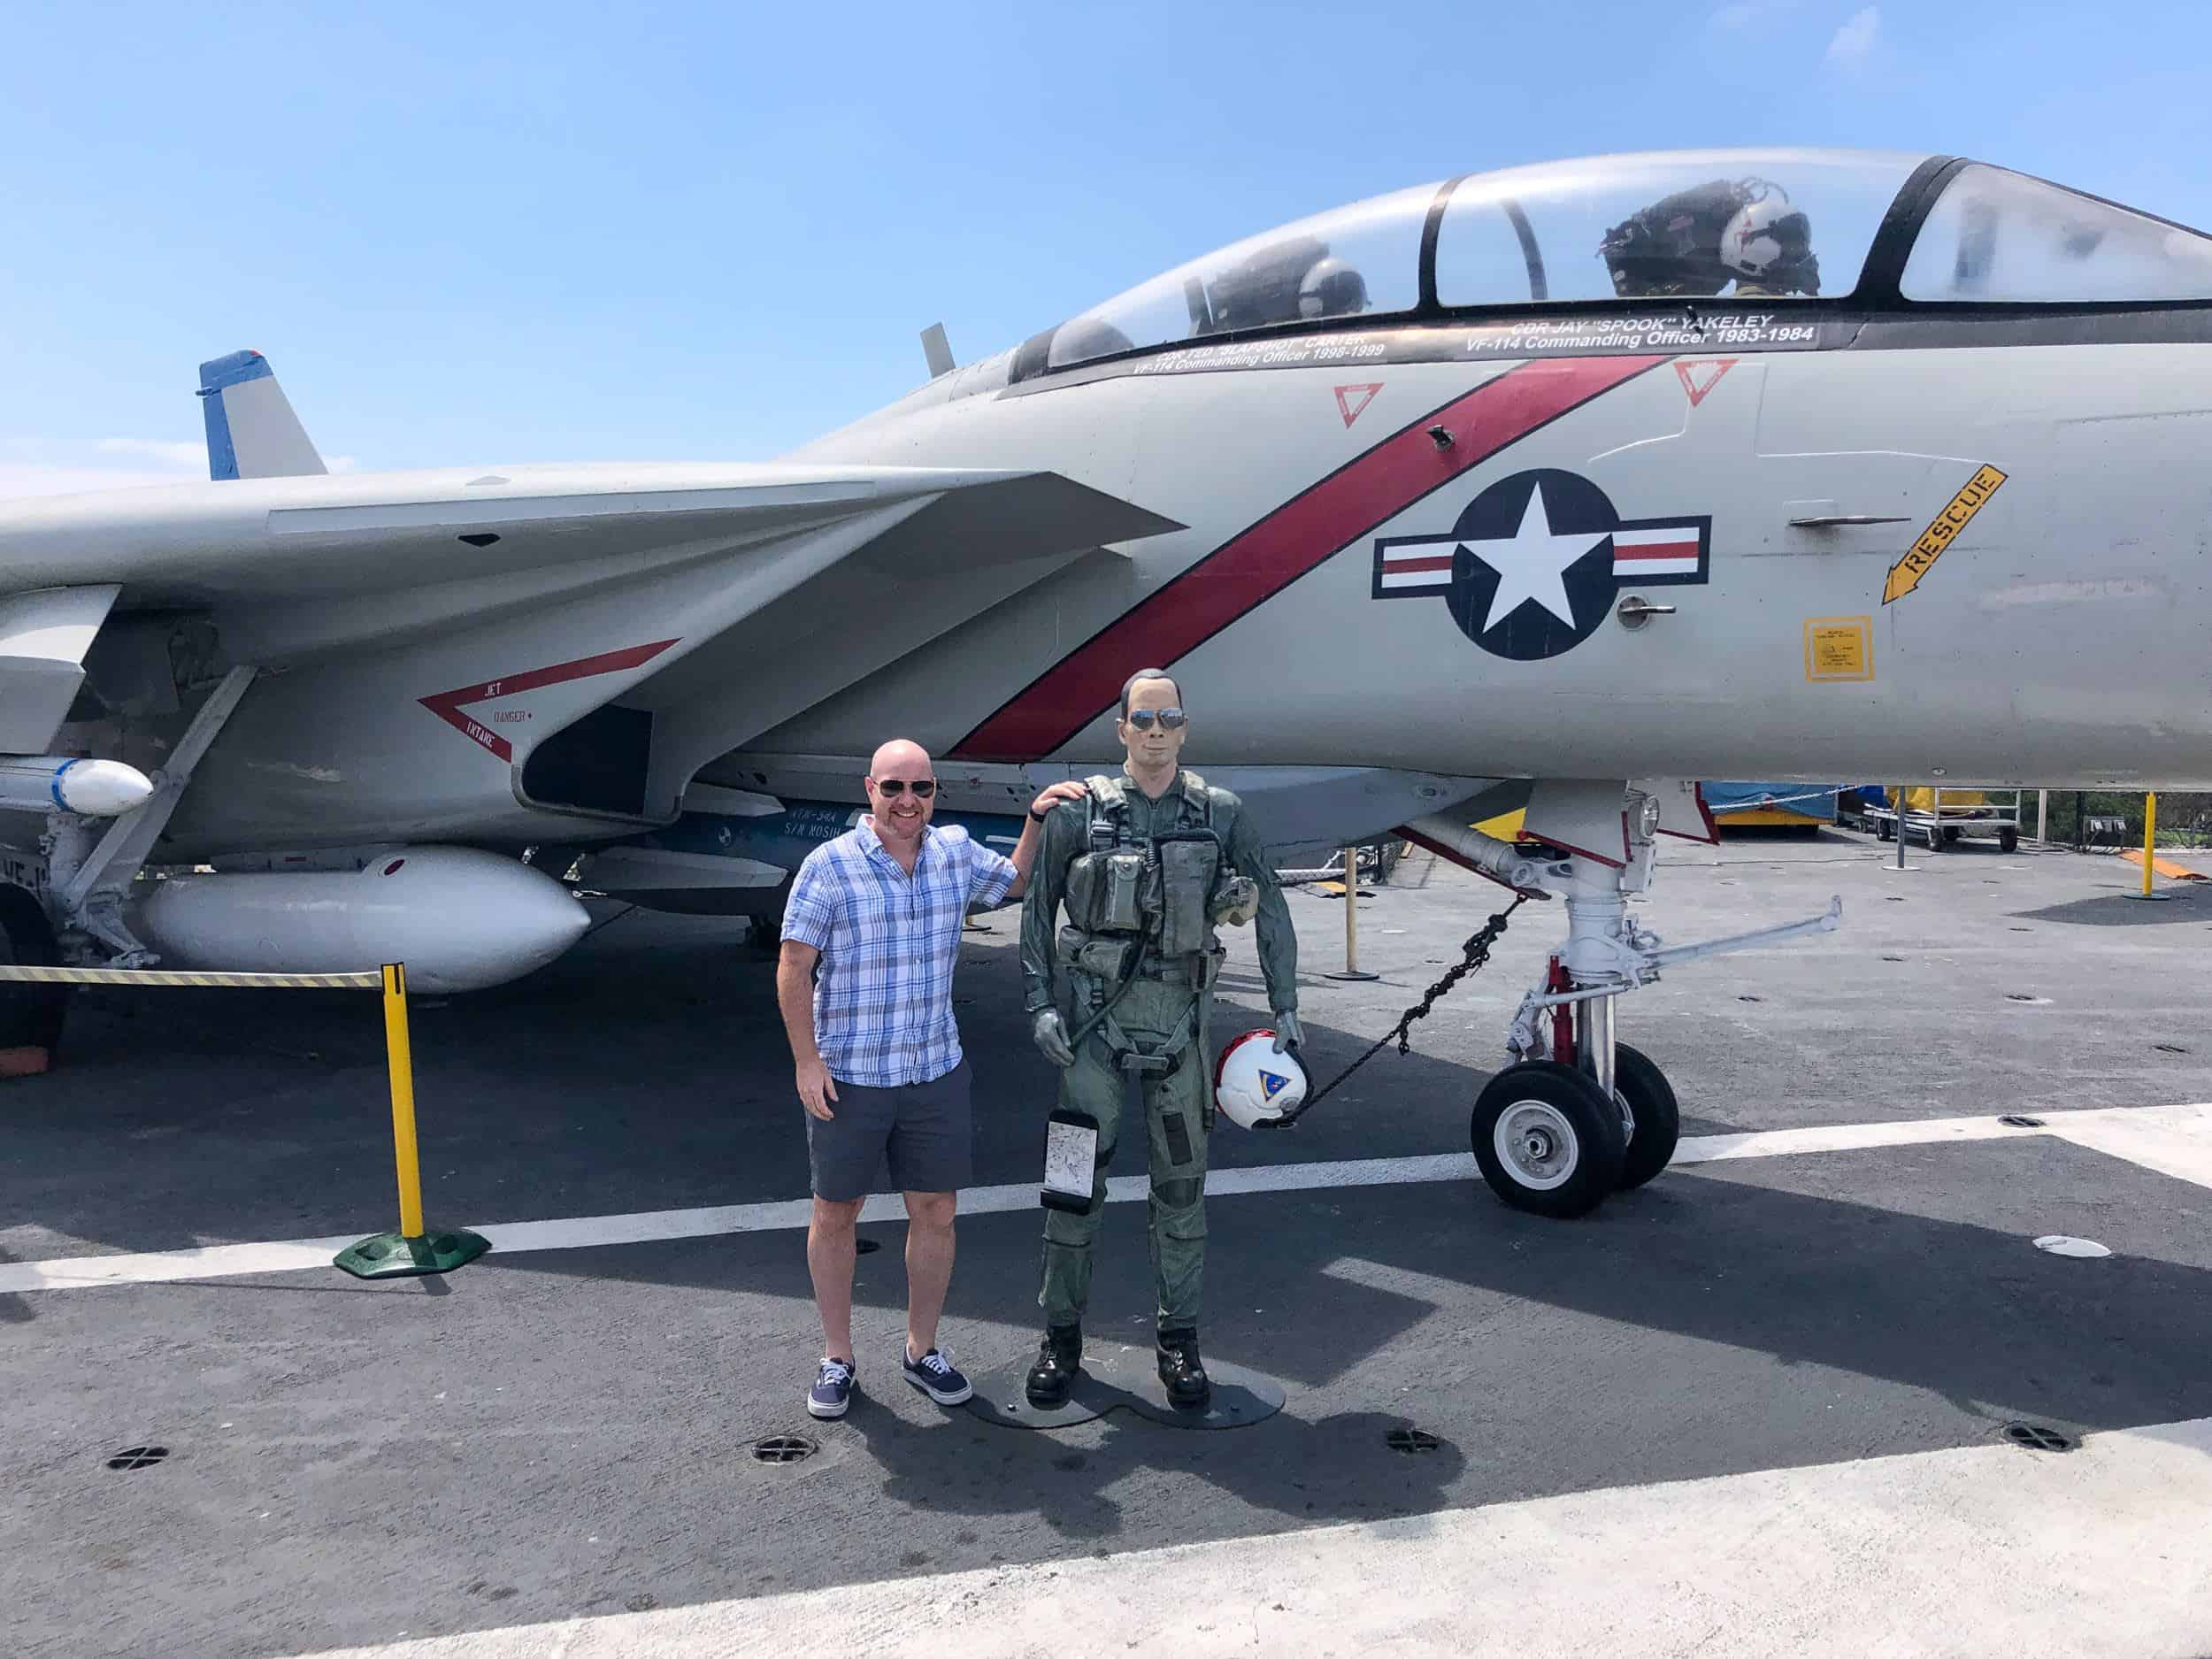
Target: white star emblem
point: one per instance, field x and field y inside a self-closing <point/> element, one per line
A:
<point x="1531" y="564"/>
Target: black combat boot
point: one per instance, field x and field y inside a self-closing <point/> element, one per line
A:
<point x="1059" y="1357"/>
<point x="1182" y="1371"/>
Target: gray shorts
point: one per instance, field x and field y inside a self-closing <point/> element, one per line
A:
<point x="924" y="1131"/>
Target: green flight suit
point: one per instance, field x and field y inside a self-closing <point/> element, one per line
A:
<point x="1163" y="1007"/>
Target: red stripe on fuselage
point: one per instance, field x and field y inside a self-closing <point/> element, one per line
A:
<point x="446" y="705"/>
<point x="1294" y="539"/>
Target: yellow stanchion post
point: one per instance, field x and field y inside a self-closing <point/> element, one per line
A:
<point x="411" y="1251"/>
<point x="2150" y="838"/>
<point x="1352" y="969"/>
<point x="2150" y="847"/>
<point x="400" y="1060"/>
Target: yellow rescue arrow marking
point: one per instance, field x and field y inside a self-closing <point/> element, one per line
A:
<point x="1905" y="575"/>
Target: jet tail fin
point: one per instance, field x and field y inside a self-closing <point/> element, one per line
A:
<point x="252" y="430"/>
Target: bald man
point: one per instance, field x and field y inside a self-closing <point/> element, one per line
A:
<point x="879" y="1068"/>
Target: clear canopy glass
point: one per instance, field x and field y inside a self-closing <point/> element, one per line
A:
<point x="1778" y="224"/>
<point x="1361" y="260"/>
<point x="1755" y="225"/>
<point x="1770" y="223"/>
<point x="1999" y="237"/>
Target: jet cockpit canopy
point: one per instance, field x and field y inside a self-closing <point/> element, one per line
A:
<point x="1780" y="225"/>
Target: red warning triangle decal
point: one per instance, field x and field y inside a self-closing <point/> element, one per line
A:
<point x="1700" y="378"/>
<point x="1350" y="400"/>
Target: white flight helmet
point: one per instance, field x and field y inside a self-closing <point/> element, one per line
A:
<point x="1763" y="235"/>
<point x="1253" y="1084"/>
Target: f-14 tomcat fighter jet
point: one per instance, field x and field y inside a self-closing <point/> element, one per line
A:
<point x="1561" y="486"/>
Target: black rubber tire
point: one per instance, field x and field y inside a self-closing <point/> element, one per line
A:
<point x="31" y="1016"/>
<point x="1935" y="840"/>
<point x="1882" y="831"/>
<point x="1651" y="1103"/>
<point x="2008" y="841"/>
<point x="1570" y="1099"/>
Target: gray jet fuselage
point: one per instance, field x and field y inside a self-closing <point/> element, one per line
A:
<point x="1427" y="543"/>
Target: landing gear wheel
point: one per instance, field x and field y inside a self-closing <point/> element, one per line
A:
<point x="1935" y="840"/>
<point x="1547" y="1140"/>
<point x="2008" y="841"/>
<point x="1649" y="1097"/>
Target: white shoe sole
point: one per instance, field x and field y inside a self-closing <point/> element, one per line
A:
<point x="944" y="1397"/>
<point x="815" y="1410"/>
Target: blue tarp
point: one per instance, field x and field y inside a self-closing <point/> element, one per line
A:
<point x="1810" y="800"/>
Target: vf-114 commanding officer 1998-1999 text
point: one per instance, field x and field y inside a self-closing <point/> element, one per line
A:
<point x="1148" y="864"/>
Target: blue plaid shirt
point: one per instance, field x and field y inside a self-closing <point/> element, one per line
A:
<point x="883" y="999"/>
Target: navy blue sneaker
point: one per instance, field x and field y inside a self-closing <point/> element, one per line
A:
<point x="935" y="1375"/>
<point x="832" y="1389"/>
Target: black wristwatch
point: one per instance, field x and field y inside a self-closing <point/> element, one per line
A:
<point x="1035" y="816"/>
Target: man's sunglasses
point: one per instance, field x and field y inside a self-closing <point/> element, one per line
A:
<point x="1170" y="719"/>
<point x="923" y="787"/>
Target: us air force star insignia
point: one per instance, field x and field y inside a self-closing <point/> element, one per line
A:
<point x="1534" y="563"/>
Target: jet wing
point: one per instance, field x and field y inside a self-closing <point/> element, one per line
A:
<point x="264" y="542"/>
<point x="707" y="601"/>
<point x="44" y="637"/>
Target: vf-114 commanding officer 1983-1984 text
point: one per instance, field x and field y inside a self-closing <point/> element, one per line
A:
<point x="1148" y="863"/>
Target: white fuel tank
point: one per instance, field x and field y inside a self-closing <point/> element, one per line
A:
<point x="460" y="918"/>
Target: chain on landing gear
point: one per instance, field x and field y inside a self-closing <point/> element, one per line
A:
<point x="1579" y="1114"/>
<point x="1473" y="955"/>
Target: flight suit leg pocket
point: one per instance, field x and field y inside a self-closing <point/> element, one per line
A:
<point x="1176" y="1129"/>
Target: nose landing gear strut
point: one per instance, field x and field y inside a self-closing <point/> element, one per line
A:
<point x="1580" y="1114"/>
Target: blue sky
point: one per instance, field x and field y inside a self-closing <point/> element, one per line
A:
<point x="483" y="232"/>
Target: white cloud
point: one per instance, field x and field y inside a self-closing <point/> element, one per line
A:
<point x="1742" y="13"/>
<point x="183" y="458"/>
<point x="52" y="466"/>
<point x="36" y="478"/>
<point x="1855" y="39"/>
<point x="39" y="467"/>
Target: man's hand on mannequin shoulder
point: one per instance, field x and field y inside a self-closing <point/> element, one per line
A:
<point x="1053" y="794"/>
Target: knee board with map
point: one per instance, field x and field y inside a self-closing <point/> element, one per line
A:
<point x="1070" y="1161"/>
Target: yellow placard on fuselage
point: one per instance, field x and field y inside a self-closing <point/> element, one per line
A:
<point x="1905" y="575"/>
<point x="1838" y="648"/>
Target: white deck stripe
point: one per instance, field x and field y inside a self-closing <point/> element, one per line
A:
<point x="1986" y="1550"/>
<point x="2172" y="1139"/>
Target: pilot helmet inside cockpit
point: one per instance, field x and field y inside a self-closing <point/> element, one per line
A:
<point x="1292" y="280"/>
<point x="1697" y="242"/>
<point x="1331" y="288"/>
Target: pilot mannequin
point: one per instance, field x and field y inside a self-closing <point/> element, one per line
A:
<point x="1292" y="280"/>
<point x="1697" y="242"/>
<point x="1148" y="863"/>
<point x="1331" y="288"/>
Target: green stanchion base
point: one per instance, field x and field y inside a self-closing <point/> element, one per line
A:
<point x="392" y="1256"/>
